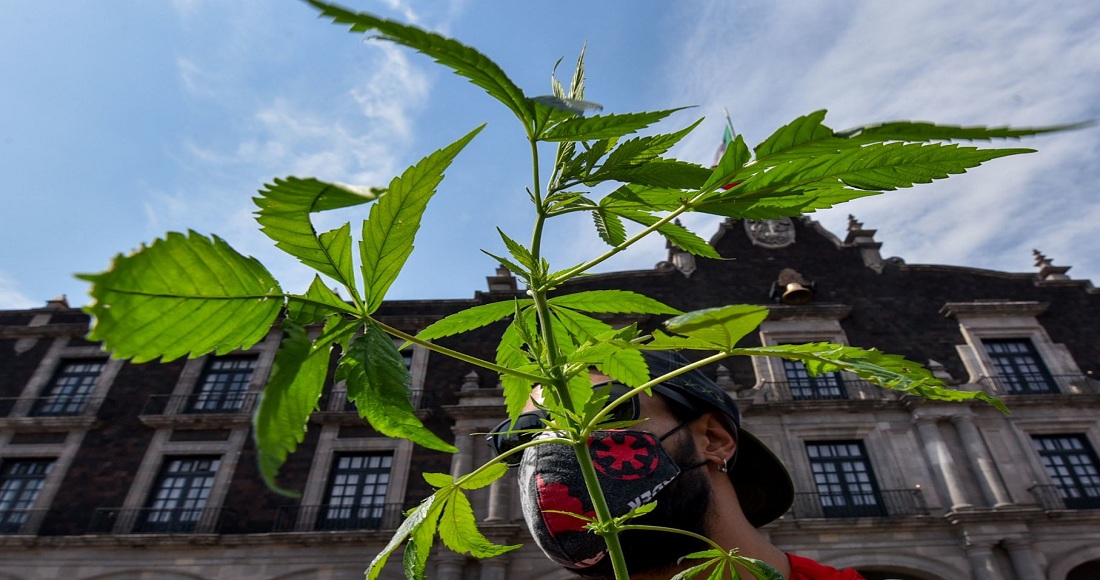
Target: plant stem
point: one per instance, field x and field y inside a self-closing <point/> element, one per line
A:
<point x="603" y="512"/>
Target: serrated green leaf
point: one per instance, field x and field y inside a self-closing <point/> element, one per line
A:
<point x="643" y="149"/>
<point x="609" y="227"/>
<point x="520" y="253"/>
<point x="486" y="477"/>
<point x="662" y="341"/>
<point x="438" y="480"/>
<point x="922" y="131"/>
<point x="886" y="370"/>
<point x="627" y="366"/>
<point x="603" y="126"/>
<point x="722" y="327"/>
<point x="675" y="233"/>
<point x="287" y="401"/>
<point x="733" y="159"/>
<point x="645" y="198"/>
<point x="183" y="295"/>
<point x="658" y="173"/>
<point x="318" y="302"/>
<point x="759" y="569"/>
<point x="699" y="569"/>
<point x="579" y="325"/>
<point x="471" y="318"/>
<point x="425" y="514"/>
<point x="510" y="354"/>
<point x="612" y="302"/>
<point x="389" y="232"/>
<point x="805" y="129"/>
<point x="463" y="60"/>
<point x="458" y="530"/>
<point x="378" y="383"/>
<point x="284" y="216"/>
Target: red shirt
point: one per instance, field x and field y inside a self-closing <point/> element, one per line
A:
<point x="807" y="569"/>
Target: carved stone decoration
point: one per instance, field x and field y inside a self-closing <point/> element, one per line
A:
<point x="771" y="234"/>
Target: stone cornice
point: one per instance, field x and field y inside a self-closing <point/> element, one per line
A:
<point x="993" y="308"/>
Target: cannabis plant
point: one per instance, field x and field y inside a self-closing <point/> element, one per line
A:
<point x="189" y="294"/>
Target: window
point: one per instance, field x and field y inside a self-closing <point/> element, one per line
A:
<point x="1018" y="366"/>
<point x="812" y="388"/>
<point x="844" y="480"/>
<point x="224" y="385"/>
<point x="1072" y="466"/>
<point x="357" y="492"/>
<point x="179" y="497"/>
<point x="20" y="482"/>
<point x="69" y="389"/>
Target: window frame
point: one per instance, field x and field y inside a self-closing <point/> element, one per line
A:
<point x="851" y="507"/>
<point x="185" y="519"/>
<point x="23" y="507"/>
<point x="376" y="502"/>
<point x="1087" y="499"/>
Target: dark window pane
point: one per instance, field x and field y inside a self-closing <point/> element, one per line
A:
<point x="1073" y="468"/>
<point x="177" y="501"/>
<point x="20" y="482"/>
<point x="806" y="387"/>
<point x="224" y="385"/>
<point x="1018" y="366"/>
<point x="357" y="492"/>
<point x="844" y="480"/>
<point x="68" y="391"/>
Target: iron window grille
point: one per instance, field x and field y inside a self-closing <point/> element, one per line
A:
<point x="844" y="479"/>
<point x="68" y="392"/>
<point x="1018" y="367"/>
<point x="177" y="501"/>
<point x="805" y="387"/>
<point x="224" y="386"/>
<point x="20" y="482"/>
<point x="1073" y="468"/>
<point x="357" y="492"/>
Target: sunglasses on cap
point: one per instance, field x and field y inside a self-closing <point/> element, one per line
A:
<point x="507" y="435"/>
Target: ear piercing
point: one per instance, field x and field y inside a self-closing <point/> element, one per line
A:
<point x="725" y="466"/>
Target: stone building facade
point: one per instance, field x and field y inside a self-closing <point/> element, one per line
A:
<point x="111" y="470"/>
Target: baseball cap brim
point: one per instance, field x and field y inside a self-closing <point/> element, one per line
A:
<point x="764" y="487"/>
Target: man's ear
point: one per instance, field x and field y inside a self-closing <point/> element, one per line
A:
<point x="717" y="444"/>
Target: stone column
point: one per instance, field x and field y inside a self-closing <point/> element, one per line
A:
<point x="500" y="499"/>
<point x="942" y="462"/>
<point x="980" y="462"/>
<point x="463" y="461"/>
<point x="1024" y="562"/>
<point x="494" y="569"/>
<point x="449" y="569"/>
<point x="982" y="565"/>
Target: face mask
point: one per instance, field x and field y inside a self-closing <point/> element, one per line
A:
<point x="632" y="467"/>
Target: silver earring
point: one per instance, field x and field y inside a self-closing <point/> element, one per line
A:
<point x="725" y="466"/>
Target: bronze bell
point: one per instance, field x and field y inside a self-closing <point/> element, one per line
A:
<point x="796" y="290"/>
<point x="797" y="294"/>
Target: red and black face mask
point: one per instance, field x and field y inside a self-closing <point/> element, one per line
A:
<point x="632" y="467"/>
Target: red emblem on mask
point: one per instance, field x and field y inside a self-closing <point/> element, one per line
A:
<point x="624" y="455"/>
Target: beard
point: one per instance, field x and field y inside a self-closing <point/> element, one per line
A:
<point x="681" y="505"/>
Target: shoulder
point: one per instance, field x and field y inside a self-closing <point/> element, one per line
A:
<point x="807" y="569"/>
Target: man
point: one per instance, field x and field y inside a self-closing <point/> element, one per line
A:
<point x="708" y="475"/>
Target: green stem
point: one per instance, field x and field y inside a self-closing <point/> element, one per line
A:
<point x="456" y="354"/>
<point x="642" y="527"/>
<point x="603" y="512"/>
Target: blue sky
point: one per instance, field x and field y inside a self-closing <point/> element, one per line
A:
<point x="121" y="121"/>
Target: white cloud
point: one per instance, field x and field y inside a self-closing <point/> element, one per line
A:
<point x="988" y="63"/>
<point x="12" y="298"/>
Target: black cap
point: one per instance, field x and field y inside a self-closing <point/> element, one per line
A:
<point x="764" y="488"/>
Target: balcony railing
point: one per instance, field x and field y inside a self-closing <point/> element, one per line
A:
<point x="885" y="503"/>
<point x="51" y="406"/>
<point x="1040" y="384"/>
<point x="16" y="521"/>
<point x="1054" y="497"/>
<point x="155" y="520"/>
<point x="337" y="401"/>
<point x="207" y="403"/>
<point x="849" y="389"/>
<point x="316" y="518"/>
